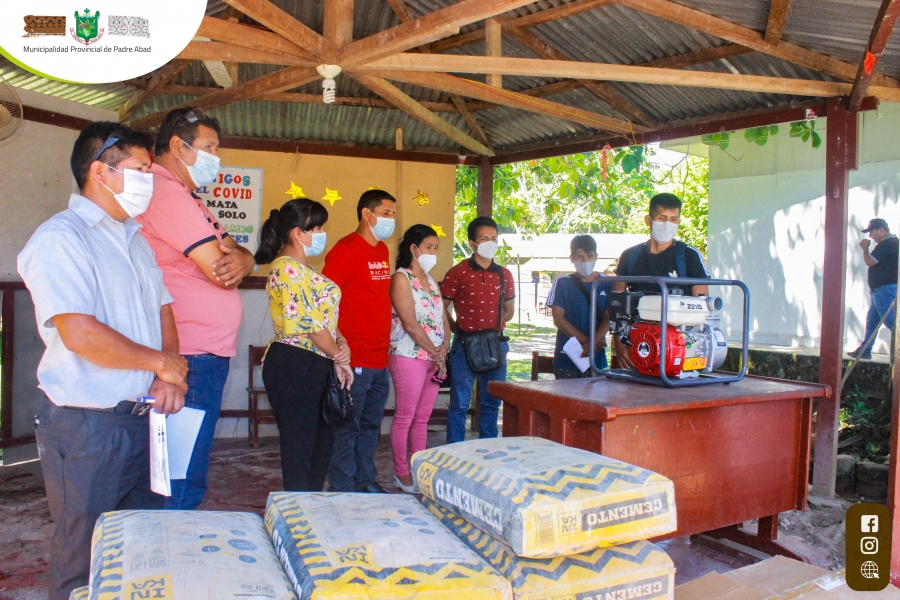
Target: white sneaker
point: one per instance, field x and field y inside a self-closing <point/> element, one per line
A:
<point x="409" y="489"/>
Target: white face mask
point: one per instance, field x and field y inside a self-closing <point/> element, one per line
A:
<point x="136" y="195"/>
<point x="426" y="261"/>
<point x="585" y="268"/>
<point x="487" y="249"/>
<point x="663" y="231"/>
<point x="205" y="169"/>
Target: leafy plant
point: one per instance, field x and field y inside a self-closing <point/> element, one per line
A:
<point x="760" y="135"/>
<point x="806" y="131"/>
<point x="721" y="139"/>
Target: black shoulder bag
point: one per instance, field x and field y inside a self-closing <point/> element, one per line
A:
<point x="337" y="403"/>
<point x="482" y="348"/>
<point x="587" y="295"/>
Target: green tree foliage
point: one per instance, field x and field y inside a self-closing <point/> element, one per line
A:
<point x="567" y="194"/>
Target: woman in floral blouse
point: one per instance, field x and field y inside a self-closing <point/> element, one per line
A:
<point x="418" y="347"/>
<point x="307" y="344"/>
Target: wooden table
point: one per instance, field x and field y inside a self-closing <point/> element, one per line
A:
<point x="735" y="452"/>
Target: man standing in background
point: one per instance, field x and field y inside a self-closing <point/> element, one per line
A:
<point x="202" y="267"/>
<point x="358" y="265"/>
<point x="882" y="276"/>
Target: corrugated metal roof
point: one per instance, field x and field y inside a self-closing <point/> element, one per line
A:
<point x="609" y="34"/>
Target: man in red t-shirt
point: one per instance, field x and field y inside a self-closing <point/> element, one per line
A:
<point x="359" y="265"/>
<point x="473" y="287"/>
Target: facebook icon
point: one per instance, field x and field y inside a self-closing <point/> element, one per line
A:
<point x="869" y="524"/>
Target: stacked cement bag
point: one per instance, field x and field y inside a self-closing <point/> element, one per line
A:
<point x="544" y="499"/>
<point x="556" y="521"/>
<point x="631" y="570"/>
<point x="374" y="546"/>
<point x="185" y="554"/>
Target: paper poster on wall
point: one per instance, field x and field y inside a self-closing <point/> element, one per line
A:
<point x="235" y="199"/>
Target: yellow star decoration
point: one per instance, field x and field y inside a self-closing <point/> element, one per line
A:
<point x="295" y="192"/>
<point x="374" y="187"/>
<point x="331" y="196"/>
<point x="422" y="198"/>
<point x="438" y="230"/>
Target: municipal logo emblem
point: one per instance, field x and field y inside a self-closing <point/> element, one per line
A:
<point x="87" y="28"/>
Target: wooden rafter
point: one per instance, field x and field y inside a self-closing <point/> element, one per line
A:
<point x="698" y="57"/>
<point x="410" y="106"/>
<point x="694" y="19"/>
<point x="778" y="14"/>
<point x="541" y="91"/>
<point x="163" y="75"/>
<point x="426" y="29"/>
<point x="474" y="89"/>
<point x="220" y="51"/>
<point x="338" y="23"/>
<point x="881" y="32"/>
<point x="528" y="67"/>
<point x="543" y="16"/>
<point x="278" y="81"/>
<point x="460" y="104"/>
<point x="400" y="9"/>
<point x="248" y="37"/>
<point x="493" y="46"/>
<point x="288" y="27"/>
<point x="543" y="49"/>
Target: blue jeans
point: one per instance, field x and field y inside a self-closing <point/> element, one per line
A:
<point x="206" y="383"/>
<point x="353" y="456"/>
<point x="881" y="301"/>
<point x="462" y="380"/>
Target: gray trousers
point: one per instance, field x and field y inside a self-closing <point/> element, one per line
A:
<point x="93" y="462"/>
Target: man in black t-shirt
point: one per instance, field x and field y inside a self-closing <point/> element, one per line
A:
<point x="662" y="256"/>
<point x="882" y="263"/>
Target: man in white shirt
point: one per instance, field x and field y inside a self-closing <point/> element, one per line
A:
<point x="104" y="315"/>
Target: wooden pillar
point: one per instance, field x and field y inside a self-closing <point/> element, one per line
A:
<point x="485" y="202"/>
<point x="831" y="345"/>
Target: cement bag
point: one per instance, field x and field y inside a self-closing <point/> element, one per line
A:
<point x="544" y="499"/>
<point x="175" y="555"/>
<point x="631" y="570"/>
<point x="374" y="546"/>
<point x="82" y="593"/>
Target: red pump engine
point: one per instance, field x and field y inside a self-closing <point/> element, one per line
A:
<point x="645" y="338"/>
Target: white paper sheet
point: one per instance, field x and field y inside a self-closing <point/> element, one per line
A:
<point x="573" y="350"/>
<point x="159" y="455"/>
<point x="182" y="429"/>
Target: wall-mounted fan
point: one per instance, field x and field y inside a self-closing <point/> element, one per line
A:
<point x="10" y="110"/>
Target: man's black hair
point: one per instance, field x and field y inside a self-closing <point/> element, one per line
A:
<point x="664" y="200"/>
<point x="583" y="242"/>
<point x="92" y="138"/>
<point x="479" y="222"/>
<point x="175" y="125"/>
<point x="371" y="199"/>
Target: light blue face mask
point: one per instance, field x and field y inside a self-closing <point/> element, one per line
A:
<point x="317" y="246"/>
<point x="204" y="171"/>
<point x="384" y="228"/>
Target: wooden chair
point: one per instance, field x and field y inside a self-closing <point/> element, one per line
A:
<point x="256" y="417"/>
<point x="540" y="364"/>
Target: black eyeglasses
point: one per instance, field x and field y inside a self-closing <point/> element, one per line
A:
<point x="109" y="143"/>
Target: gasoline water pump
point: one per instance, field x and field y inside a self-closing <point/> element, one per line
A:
<point x="672" y="339"/>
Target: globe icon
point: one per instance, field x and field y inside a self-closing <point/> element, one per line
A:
<point x="869" y="570"/>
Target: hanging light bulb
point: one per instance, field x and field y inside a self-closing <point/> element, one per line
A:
<point x="328" y="72"/>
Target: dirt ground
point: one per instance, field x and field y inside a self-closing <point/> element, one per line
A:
<point x="821" y="527"/>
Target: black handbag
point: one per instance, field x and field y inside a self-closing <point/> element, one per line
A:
<point x="337" y="403"/>
<point x="482" y="348"/>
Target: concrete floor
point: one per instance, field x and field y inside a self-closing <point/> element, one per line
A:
<point x="240" y="480"/>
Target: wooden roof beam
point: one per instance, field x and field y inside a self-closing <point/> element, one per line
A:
<point x="881" y="32"/>
<point x="527" y="67"/>
<point x="278" y="81"/>
<point x="220" y="51"/>
<point x="289" y="28"/>
<point x="694" y="19"/>
<point x="473" y="89"/>
<point x="338" y="24"/>
<point x="400" y="9"/>
<point x="426" y="29"/>
<point x="541" y="91"/>
<point x="405" y="103"/>
<point x="161" y="77"/>
<point x="778" y="14"/>
<point x="249" y="36"/>
<point x="698" y="57"/>
<point x="460" y="104"/>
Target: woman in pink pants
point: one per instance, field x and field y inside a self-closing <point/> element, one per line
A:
<point x="418" y="347"/>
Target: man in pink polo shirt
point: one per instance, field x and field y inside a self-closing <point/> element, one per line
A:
<point x="202" y="267"/>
